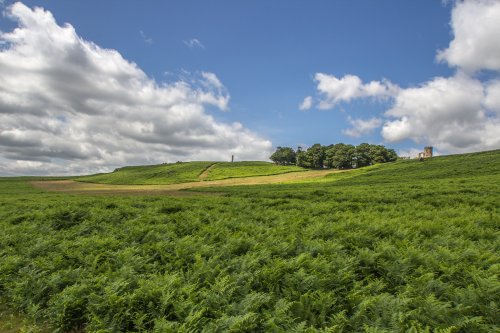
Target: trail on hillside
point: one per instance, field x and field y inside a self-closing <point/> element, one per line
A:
<point x="206" y="172"/>
<point x="70" y="186"/>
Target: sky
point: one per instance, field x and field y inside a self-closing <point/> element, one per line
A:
<point x="90" y="86"/>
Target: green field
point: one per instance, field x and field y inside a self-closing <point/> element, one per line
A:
<point x="400" y="247"/>
<point x="224" y="170"/>
<point x="151" y="174"/>
<point x="183" y="172"/>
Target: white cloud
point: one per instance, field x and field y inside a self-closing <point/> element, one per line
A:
<point x="306" y="103"/>
<point x="445" y="112"/>
<point x="212" y="80"/>
<point x="410" y="152"/>
<point x="335" y="90"/>
<point x="476" y="29"/>
<point x="194" y="43"/>
<point x="68" y="105"/>
<point x="413" y="152"/>
<point x="362" y="126"/>
<point x="147" y="40"/>
<point x="492" y="100"/>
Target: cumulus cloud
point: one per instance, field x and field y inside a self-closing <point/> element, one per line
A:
<point x="492" y="100"/>
<point x="476" y="42"/>
<point x="455" y="114"/>
<point x="194" y="43"/>
<point x="69" y="105"/>
<point x="446" y="112"/>
<point x="362" y="126"/>
<point x="459" y="113"/>
<point x="306" y="103"/>
<point x="334" y="90"/>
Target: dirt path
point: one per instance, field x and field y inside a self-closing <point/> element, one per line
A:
<point x="70" y="186"/>
<point x="205" y="173"/>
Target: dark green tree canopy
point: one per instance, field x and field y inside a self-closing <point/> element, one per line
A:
<point x="284" y="156"/>
<point x="338" y="156"/>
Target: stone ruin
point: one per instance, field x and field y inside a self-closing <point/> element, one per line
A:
<point x="426" y="153"/>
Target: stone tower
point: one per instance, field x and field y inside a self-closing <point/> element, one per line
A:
<point x="428" y="151"/>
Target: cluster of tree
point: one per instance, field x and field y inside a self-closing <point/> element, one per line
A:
<point x="339" y="156"/>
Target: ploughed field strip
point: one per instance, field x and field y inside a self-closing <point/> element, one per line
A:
<point x="71" y="186"/>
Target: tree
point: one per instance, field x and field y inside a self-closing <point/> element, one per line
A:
<point x="284" y="156"/>
<point x="339" y="156"/>
<point x="303" y="159"/>
<point x="316" y="155"/>
<point x="378" y="154"/>
<point x="329" y="154"/>
<point x="343" y="158"/>
<point x="391" y="155"/>
<point x="362" y="155"/>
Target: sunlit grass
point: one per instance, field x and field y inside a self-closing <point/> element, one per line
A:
<point x="408" y="246"/>
<point x="152" y="174"/>
<point x="175" y="173"/>
<point x="226" y="170"/>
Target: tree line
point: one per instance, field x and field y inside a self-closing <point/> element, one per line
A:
<point x="338" y="156"/>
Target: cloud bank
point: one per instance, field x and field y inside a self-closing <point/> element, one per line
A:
<point x="70" y="106"/>
<point x="447" y="112"/>
<point x="460" y="113"/>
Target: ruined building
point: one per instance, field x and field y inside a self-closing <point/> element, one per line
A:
<point x="426" y="153"/>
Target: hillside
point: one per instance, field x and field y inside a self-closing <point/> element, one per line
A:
<point x="186" y="172"/>
<point x="401" y="247"/>
<point x="151" y="174"/>
<point x="439" y="168"/>
<point x="224" y="170"/>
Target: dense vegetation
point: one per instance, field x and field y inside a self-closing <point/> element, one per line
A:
<point x="339" y="156"/>
<point x="406" y="246"/>
<point x="224" y="170"/>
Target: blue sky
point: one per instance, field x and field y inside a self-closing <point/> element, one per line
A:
<point x="266" y="56"/>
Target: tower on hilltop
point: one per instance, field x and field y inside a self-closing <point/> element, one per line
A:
<point x="427" y="151"/>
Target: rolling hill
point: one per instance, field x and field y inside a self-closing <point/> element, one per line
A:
<point x="182" y="172"/>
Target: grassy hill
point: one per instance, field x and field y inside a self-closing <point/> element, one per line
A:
<point x="186" y="172"/>
<point x="151" y="174"/>
<point x="224" y="170"/>
<point x="403" y="247"/>
<point x="439" y="168"/>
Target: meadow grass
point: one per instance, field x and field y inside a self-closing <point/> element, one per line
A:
<point x="183" y="172"/>
<point x="401" y="247"/>
<point x="151" y="174"/>
<point x="224" y="170"/>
